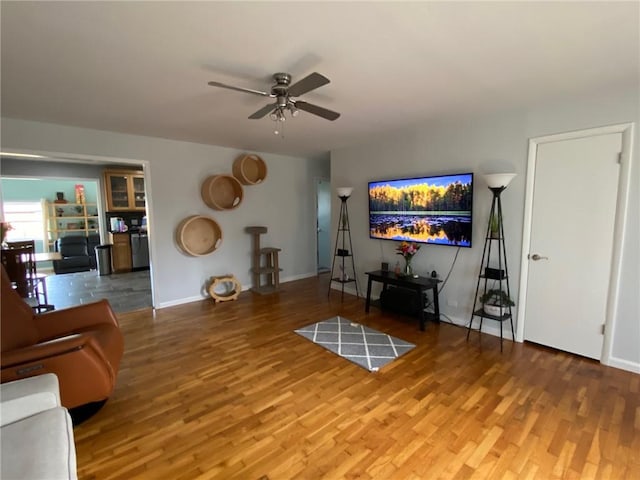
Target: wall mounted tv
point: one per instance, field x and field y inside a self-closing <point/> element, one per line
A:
<point x="433" y="209"/>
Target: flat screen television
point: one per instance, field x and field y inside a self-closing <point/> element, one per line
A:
<point x="434" y="209"/>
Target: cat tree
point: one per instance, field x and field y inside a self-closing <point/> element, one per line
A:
<point x="270" y="270"/>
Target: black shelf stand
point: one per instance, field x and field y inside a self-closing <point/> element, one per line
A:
<point x="341" y="252"/>
<point x="499" y="275"/>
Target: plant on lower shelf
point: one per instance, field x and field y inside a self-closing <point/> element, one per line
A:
<point x="494" y="227"/>
<point x="495" y="301"/>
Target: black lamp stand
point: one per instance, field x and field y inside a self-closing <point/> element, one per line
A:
<point x="499" y="275"/>
<point x="342" y="252"/>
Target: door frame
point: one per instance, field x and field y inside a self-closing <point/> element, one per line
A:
<point x="624" y="179"/>
<point x="87" y="159"/>
<point x="317" y="181"/>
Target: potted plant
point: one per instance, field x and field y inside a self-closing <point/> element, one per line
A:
<point x="494" y="302"/>
<point x="494" y="227"/>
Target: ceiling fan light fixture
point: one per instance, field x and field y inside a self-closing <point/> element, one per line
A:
<point x="284" y="92"/>
<point x="277" y="115"/>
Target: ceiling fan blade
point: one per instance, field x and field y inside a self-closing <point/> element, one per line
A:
<point x="263" y="111"/>
<point x="316" y="110"/>
<point x="240" y="89"/>
<point x="308" y="83"/>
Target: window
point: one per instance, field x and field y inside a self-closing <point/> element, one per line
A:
<point x="25" y="219"/>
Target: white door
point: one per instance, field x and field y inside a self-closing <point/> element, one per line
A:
<point x="323" y="202"/>
<point x="570" y="257"/>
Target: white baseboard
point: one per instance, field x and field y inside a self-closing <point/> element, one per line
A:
<point x="350" y="290"/>
<point x="624" y="364"/>
<point x="180" y="301"/>
<point x="492" y="327"/>
<point x="199" y="298"/>
<point x="293" y="278"/>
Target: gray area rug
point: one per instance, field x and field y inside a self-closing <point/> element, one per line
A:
<point x="361" y="345"/>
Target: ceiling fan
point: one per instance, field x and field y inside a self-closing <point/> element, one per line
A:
<point x="283" y="92"/>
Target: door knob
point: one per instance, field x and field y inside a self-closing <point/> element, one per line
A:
<point x="535" y="257"/>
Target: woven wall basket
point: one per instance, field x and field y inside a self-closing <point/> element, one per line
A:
<point x="249" y="169"/>
<point x="222" y="192"/>
<point x="198" y="235"/>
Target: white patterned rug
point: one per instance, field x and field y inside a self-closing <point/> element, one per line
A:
<point x="361" y="345"/>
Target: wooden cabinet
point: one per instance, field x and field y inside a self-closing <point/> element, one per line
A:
<point x="69" y="218"/>
<point x="120" y="252"/>
<point x="125" y="190"/>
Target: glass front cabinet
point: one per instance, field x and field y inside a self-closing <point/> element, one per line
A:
<point x="125" y="190"/>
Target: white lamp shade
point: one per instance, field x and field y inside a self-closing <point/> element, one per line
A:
<point x="344" y="191"/>
<point x="497" y="180"/>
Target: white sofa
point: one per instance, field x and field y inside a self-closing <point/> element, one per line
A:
<point x="36" y="432"/>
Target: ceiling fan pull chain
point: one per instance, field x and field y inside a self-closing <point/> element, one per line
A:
<point x="279" y="130"/>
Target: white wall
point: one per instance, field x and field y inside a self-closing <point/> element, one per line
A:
<point x="285" y="202"/>
<point x="489" y="144"/>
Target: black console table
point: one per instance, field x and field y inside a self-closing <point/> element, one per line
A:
<point x="419" y="285"/>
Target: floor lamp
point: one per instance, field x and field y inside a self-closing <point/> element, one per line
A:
<point x="497" y="183"/>
<point x="342" y="250"/>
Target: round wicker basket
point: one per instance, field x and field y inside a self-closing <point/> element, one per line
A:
<point x="249" y="169"/>
<point x="222" y="192"/>
<point x="198" y="235"/>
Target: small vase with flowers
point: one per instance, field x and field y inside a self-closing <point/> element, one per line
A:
<point x="407" y="250"/>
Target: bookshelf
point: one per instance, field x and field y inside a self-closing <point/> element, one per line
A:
<point x="69" y="219"/>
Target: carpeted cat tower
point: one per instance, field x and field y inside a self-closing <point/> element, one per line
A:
<point x="270" y="270"/>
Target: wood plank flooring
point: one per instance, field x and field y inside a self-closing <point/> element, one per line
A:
<point x="229" y="391"/>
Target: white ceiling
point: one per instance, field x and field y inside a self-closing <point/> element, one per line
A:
<point x="143" y="67"/>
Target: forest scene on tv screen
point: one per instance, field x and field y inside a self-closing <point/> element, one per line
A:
<point x="427" y="210"/>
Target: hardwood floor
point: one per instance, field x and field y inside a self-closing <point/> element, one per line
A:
<point x="230" y="391"/>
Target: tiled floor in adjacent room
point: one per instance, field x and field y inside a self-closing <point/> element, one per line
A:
<point x="126" y="292"/>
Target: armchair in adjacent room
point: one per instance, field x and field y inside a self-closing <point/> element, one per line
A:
<point x="78" y="253"/>
<point x="82" y="345"/>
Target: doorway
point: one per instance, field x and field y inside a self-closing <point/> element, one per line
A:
<point x="323" y="225"/>
<point x="125" y="291"/>
<point x="574" y="211"/>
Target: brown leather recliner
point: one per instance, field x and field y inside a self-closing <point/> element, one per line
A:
<point x="82" y="345"/>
